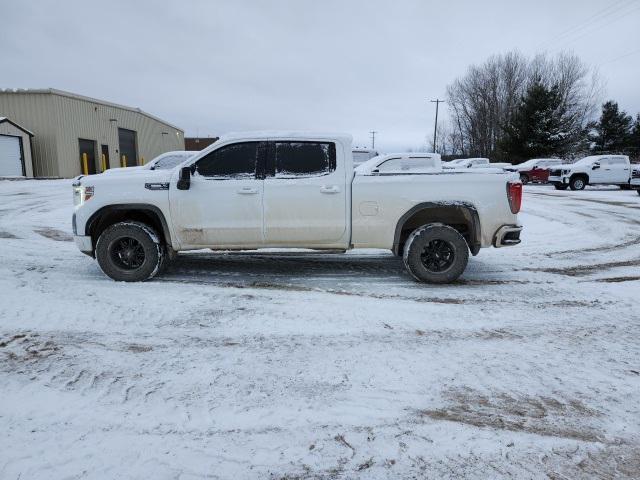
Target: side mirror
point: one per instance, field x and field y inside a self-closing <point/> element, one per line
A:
<point x="184" y="180"/>
<point x="595" y="166"/>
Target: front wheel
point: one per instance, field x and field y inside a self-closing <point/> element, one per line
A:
<point x="577" y="183"/>
<point x="130" y="252"/>
<point x="435" y="253"/>
<point x="524" y="178"/>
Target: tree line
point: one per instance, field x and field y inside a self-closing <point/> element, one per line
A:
<point x="512" y="108"/>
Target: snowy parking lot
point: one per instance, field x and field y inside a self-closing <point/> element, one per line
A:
<point x="299" y="365"/>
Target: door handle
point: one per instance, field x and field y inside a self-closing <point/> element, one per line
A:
<point x="330" y="189"/>
<point x="248" y="191"/>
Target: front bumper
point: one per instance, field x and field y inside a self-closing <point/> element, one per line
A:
<point x="84" y="244"/>
<point x="555" y="179"/>
<point x="635" y="183"/>
<point x="507" y="236"/>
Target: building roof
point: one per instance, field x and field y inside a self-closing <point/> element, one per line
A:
<point x="285" y="134"/>
<point x="62" y="93"/>
<point x="5" y="119"/>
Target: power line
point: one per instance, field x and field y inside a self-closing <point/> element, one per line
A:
<point x="628" y="54"/>
<point x="589" y="21"/>
<point x="602" y="25"/>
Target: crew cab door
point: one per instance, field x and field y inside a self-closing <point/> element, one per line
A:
<point x="223" y="206"/>
<point x="620" y="170"/>
<point x="305" y="194"/>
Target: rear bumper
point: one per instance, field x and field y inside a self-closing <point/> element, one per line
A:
<point x="84" y="244"/>
<point x="507" y="236"/>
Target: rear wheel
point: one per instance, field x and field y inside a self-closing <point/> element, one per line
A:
<point x="435" y="253"/>
<point x="578" y="183"/>
<point x="130" y="252"/>
<point x="560" y="186"/>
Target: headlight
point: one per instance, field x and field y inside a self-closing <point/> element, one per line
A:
<point x="565" y="172"/>
<point x="81" y="194"/>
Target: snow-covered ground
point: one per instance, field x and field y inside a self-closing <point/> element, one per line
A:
<point x="308" y="366"/>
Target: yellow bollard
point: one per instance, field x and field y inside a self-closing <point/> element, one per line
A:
<point x="123" y="161"/>
<point x="104" y="162"/>
<point x="85" y="164"/>
<point x="142" y="161"/>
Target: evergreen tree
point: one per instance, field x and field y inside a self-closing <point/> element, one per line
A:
<point x="634" y="141"/>
<point x="612" y="133"/>
<point x="540" y="127"/>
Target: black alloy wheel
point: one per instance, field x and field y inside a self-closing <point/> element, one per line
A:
<point x="438" y="256"/>
<point x="127" y="253"/>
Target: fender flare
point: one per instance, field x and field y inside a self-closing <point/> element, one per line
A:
<point x="142" y="207"/>
<point x="475" y="230"/>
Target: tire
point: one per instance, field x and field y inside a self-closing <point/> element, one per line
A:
<point x="435" y="253"/>
<point x="524" y="178"/>
<point x="578" y="183"/>
<point x="130" y="252"/>
<point x="560" y="186"/>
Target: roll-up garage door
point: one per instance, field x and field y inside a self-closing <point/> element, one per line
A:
<point x="10" y="156"/>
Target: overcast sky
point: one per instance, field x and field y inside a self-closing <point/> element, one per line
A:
<point x="216" y="66"/>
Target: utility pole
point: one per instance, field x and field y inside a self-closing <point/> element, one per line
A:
<point x="373" y="139"/>
<point x="435" y="128"/>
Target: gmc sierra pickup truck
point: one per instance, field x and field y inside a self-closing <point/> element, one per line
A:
<point x="592" y="170"/>
<point x="287" y="190"/>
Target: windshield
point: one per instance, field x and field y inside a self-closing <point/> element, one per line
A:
<point x="528" y="163"/>
<point x="170" y="161"/>
<point x="586" y="160"/>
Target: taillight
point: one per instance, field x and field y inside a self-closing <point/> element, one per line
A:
<point x="514" y="194"/>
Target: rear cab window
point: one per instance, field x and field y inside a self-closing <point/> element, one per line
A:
<point x="291" y="159"/>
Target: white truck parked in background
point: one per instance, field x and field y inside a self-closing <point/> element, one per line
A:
<point x="592" y="170"/>
<point x="635" y="178"/>
<point x="165" y="161"/>
<point x="262" y="190"/>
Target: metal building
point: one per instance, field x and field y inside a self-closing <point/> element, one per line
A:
<point x="74" y="134"/>
<point x="15" y="150"/>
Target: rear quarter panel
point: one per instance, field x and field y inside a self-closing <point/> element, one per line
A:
<point x="380" y="200"/>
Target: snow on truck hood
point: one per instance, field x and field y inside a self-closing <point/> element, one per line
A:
<point x="133" y="174"/>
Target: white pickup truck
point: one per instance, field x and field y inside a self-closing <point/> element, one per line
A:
<point x="287" y="190"/>
<point x="592" y="170"/>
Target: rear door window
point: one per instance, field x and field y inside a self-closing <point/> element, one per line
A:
<point x="293" y="159"/>
<point x="237" y="160"/>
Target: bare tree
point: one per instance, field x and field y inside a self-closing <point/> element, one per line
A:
<point x="483" y="101"/>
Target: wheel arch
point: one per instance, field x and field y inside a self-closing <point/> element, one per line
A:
<point x="580" y="174"/>
<point x="461" y="216"/>
<point x="112" y="214"/>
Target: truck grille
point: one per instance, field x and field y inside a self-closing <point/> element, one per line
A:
<point x="635" y="174"/>
<point x="555" y="173"/>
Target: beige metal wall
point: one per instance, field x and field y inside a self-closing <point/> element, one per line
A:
<point x="34" y="112"/>
<point x="58" y="120"/>
<point x="8" y="129"/>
